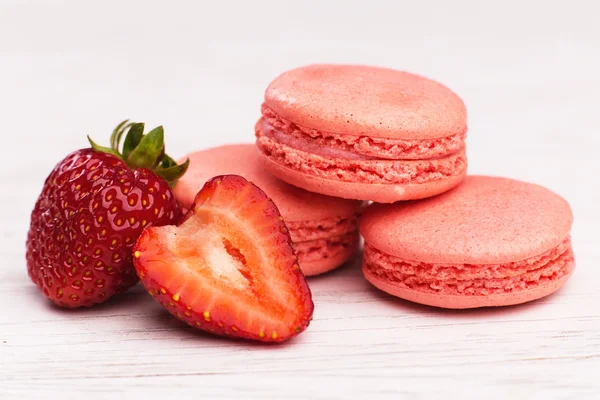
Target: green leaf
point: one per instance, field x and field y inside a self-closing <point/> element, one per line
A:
<point x="144" y="151"/>
<point x="149" y="151"/>
<point x="173" y="173"/>
<point x="167" y="162"/>
<point x="133" y="138"/>
<point x="120" y="135"/>
<point x="103" y="149"/>
<point x="115" y="138"/>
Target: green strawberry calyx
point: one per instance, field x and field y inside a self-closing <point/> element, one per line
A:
<point x="143" y="150"/>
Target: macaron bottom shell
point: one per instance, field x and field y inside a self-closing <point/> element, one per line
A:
<point x="470" y="286"/>
<point x="323" y="255"/>
<point x="468" y="302"/>
<point x="381" y="193"/>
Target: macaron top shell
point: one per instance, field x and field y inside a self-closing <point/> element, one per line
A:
<point x="294" y="204"/>
<point x="485" y="220"/>
<point x="367" y="101"/>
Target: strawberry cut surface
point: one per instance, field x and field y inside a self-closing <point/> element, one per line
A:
<point x="229" y="268"/>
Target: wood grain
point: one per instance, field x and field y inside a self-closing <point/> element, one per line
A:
<point x="361" y="343"/>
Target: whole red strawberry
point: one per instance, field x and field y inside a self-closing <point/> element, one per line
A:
<point x="93" y="206"/>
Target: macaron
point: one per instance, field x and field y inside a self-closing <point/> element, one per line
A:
<point x="489" y="242"/>
<point x="324" y="229"/>
<point x="362" y="132"/>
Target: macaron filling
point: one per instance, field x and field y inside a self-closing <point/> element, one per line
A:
<point x="363" y="171"/>
<point x="326" y="248"/>
<point x="310" y="156"/>
<point x="352" y="147"/>
<point x="316" y="240"/>
<point x="301" y="231"/>
<point x="470" y="279"/>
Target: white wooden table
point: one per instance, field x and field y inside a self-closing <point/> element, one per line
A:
<point x="529" y="76"/>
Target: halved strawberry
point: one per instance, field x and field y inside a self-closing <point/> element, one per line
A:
<point x="229" y="268"/>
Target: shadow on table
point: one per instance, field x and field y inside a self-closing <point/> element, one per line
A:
<point x="132" y="299"/>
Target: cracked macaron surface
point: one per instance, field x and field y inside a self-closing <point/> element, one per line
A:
<point x="363" y="132"/>
<point x="489" y="242"/>
<point x="324" y="229"/>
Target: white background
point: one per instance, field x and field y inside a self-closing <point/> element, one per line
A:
<point x="529" y="74"/>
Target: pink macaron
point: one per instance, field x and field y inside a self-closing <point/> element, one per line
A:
<point x="363" y="132"/>
<point x="324" y="229"/>
<point x="489" y="242"/>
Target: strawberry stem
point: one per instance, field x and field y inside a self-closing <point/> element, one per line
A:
<point x="143" y="151"/>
